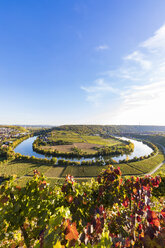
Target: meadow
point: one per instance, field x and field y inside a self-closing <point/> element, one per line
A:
<point x="87" y="143"/>
<point x="24" y="170"/>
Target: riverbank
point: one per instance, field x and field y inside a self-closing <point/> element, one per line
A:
<point x="141" y="150"/>
<point x="56" y="174"/>
<point x="24" y="168"/>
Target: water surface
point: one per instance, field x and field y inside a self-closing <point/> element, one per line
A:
<point x="140" y="149"/>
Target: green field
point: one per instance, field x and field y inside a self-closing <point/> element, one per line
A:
<point x="146" y="165"/>
<point x="154" y="138"/>
<point x="135" y="168"/>
<point x="77" y="138"/>
<point x="21" y="169"/>
<point x="157" y="139"/>
<point x="55" y="174"/>
<point x="65" y="136"/>
<point x="88" y="144"/>
<point x="100" y="141"/>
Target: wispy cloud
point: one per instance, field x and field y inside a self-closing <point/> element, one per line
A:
<point x="102" y="47"/>
<point x="156" y="42"/>
<point x="140" y="83"/>
<point x="142" y="104"/>
<point x="97" y="90"/>
<point x="140" y="59"/>
<point x="143" y="95"/>
<point x="99" y="86"/>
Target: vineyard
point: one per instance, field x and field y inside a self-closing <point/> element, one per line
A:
<point x="82" y="124"/>
<point x="107" y="212"/>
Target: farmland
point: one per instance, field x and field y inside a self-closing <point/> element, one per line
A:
<point x="71" y="140"/>
<point x="83" y="141"/>
<point x="24" y="170"/>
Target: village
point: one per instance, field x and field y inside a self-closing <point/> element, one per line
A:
<point x="8" y="135"/>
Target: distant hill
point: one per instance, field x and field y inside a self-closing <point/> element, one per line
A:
<point x="112" y="129"/>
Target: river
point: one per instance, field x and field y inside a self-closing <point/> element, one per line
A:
<point x="140" y="149"/>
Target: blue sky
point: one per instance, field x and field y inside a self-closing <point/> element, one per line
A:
<point x="82" y="62"/>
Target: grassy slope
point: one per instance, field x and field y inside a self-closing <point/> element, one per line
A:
<point x="25" y="170"/>
<point x="75" y="137"/>
<point x="135" y="168"/>
<point x="100" y="141"/>
<point x="21" y="169"/>
<point x="147" y="165"/>
<point x="66" y="136"/>
<point x="157" y="139"/>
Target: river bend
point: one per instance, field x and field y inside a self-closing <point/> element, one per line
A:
<point x="140" y="149"/>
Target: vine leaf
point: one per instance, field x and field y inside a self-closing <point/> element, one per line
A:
<point x="71" y="232"/>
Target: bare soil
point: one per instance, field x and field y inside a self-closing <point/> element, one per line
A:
<point x="86" y="147"/>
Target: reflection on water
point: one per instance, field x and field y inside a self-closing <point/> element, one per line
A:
<point x="140" y="149"/>
<point x="25" y="148"/>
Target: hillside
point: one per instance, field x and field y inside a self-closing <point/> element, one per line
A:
<point x="111" y="129"/>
